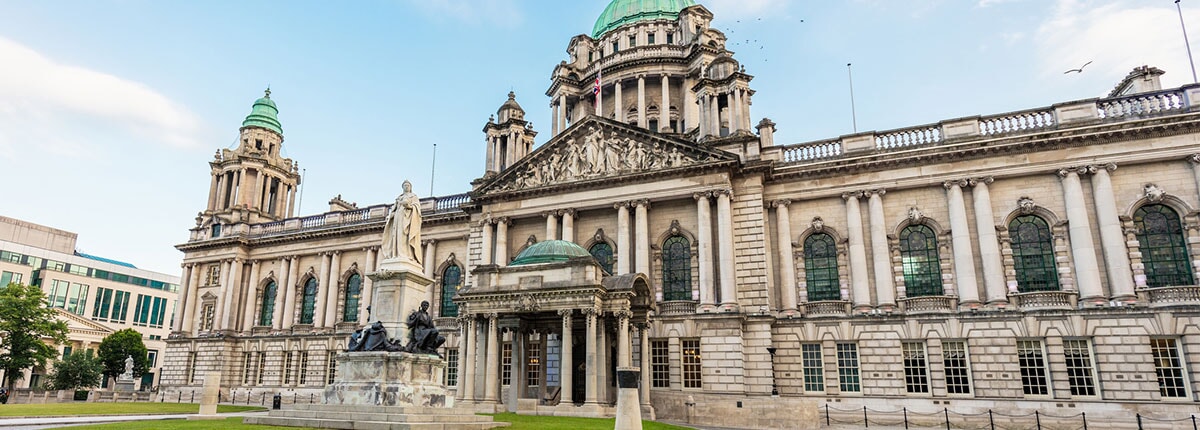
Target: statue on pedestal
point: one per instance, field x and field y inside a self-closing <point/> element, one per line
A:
<point x="128" y="375"/>
<point x="423" y="336"/>
<point x="402" y="233"/>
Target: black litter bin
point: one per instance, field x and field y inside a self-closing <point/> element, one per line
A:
<point x="276" y="401"/>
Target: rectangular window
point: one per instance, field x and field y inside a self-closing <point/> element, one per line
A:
<point x="916" y="372"/>
<point x="814" y="368"/>
<point x="670" y="38"/>
<point x="77" y="299"/>
<point x="9" y="278"/>
<point x="1032" y="362"/>
<point x="120" y="306"/>
<point x="632" y="41"/>
<point x="287" y="368"/>
<point x="847" y="357"/>
<point x="191" y="368"/>
<point x="650" y="38"/>
<point x="1168" y="367"/>
<point x="956" y="365"/>
<point x="302" y="374"/>
<point x="690" y="360"/>
<point x="247" y="368"/>
<point x="214" y="275"/>
<point x="452" y="367"/>
<point x="78" y="270"/>
<point x="616" y="47"/>
<point x="1080" y="369"/>
<point x="206" y="317"/>
<point x="660" y="364"/>
<point x="506" y="363"/>
<point x="262" y="365"/>
<point x="331" y="372"/>
<point x="533" y="370"/>
<point x="102" y="304"/>
<point x="152" y="358"/>
<point x="66" y="351"/>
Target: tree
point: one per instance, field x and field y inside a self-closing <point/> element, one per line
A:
<point x="28" y="330"/>
<point x="76" y="371"/>
<point x="117" y="346"/>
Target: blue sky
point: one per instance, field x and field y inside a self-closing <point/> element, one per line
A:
<point x="110" y="110"/>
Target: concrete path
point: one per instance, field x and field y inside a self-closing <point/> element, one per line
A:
<point x="56" y="422"/>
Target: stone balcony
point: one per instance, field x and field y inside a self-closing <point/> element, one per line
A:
<point x="928" y="304"/>
<point x="1045" y="300"/>
<point x="1170" y="296"/>
<point x="646" y="52"/>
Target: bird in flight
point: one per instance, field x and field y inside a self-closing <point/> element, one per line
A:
<point x="1079" y="70"/>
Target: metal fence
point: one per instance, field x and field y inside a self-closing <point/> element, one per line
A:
<point x="993" y="420"/>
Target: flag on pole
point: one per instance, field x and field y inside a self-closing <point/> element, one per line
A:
<point x="596" y="87"/>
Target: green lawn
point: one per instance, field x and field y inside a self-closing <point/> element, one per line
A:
<point x="73" y="409"/>
<point x="519" y="422"/>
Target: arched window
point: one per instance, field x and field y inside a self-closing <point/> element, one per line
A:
<point x="1033" y="254"/>
<point x="820" y="268"/>
<point x="603" y="253"/>
<point x="309" y="303"/>
<point x="267" y="312"/>
<point x="922" y="268"/>
<point x="353" y="295"/>
<point x="451" y="280"/>
<point x="677" y="269"/>
<point x="1164" y="248"/>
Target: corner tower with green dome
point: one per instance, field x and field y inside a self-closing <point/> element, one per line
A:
<point x="621" y="12"/>
<point x="253" y="182"/>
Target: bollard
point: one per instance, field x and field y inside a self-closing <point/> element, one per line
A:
<point x="264" y="399"/>
<point x="193" y="399"/>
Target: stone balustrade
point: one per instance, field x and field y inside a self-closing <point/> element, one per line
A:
<point x="656" y="52"/>
<point x="1171" y="296"/>
<point x="928" y="304"/>
<point x="1045" y="300"/>
<point x="831" y="308"/>
<point x="677" y="307"/>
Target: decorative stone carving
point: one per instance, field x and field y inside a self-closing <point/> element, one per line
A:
<point x="1153" y="193"/>
<point x="527" y="303"/>
<point x="1025" y="205"/>
<point x="818" y="224"/>
<point x="531" y="240"/>
<point x="674" y="227"/>
<point x="915" y="215"/>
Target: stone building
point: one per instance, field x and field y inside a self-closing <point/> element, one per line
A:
<point x="95" y="296"/>
<point x="1044" y="258"/>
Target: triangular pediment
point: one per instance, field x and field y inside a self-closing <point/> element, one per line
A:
<point x="597" y="149"/>
<point x="77" y="324"/>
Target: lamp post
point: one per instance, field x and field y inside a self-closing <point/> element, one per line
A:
<point x="774" y="388"/>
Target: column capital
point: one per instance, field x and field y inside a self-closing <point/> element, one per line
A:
<point x="1097" y="168"/>
<point x="570" y="212"/>
<point x="1194" y="158"/>
<point x="465" y="318"/>
<point x="1065" y="172"/>
<point x="589" y="311"/>
<point x="492" y="317"/>
<point x="624" y="314"/>
<point x="566" y="313"/>
<point x="877" y="192"/>
<point x="619" y="205"/>
<point x="547" y="214"/>
<point x="780" y="203"/>
<point x="983" y="180"/>
<point x="641" y="202"/>
<point x="852" y="195"/>
<point x="702" y="195"/>
<point x="727" y="192"/>
<point x="960" y="183"/>
<point x="429" y="242"/>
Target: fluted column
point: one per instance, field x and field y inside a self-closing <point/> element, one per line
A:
<point x="859" y="283"/>
<point x="989" y="246"/>
<point x="960" y="238"/>
<point x="644" y="331"/>
<point x="430" y="254"/>
<point x="182" y="302"/>
<point x="664" y="108"/>
<point x="568" y="224"/>
<point x="466" y="378"/>
<point x="251" y="297"/>
<point x="642" y="101"/>
<point x="787" y="263"/>
<point x="281" y="289"/>
<point x="729" y="301"/>
<point x="1112" y="236"/>
<point x="331" y="295"/>
<point x="593" y="371"/>
<point x="485" y="256"/>
<point x="368" y="284"/>
<point x="322" y="291"/>
<point x="624" y="352"/>
<point x="565" y="365"/>
<point x="618" y="104"/>
<point x="1087" y="270"/>
<point x="642" y="236"/>
<point x="501" y="241"/>
<point x="551" y="224"/>
<point x="623" y="248"/>
<point x="704" y="225"/>
<point x="289" y="305"/>
<point x="491" y="384"/>
<point x="885" y="287"/>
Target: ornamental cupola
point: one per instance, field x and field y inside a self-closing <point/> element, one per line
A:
<point x="508" y="136"/>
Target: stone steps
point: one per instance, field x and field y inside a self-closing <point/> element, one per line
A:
<point x="369" y="425"/>
<point x="369" y="417"/>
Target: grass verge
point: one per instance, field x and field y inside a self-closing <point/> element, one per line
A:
<point x="130" y="408"/>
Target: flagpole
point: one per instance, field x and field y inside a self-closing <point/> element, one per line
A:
<point x="1186" y="44"/>
<point x="432" y="170"/>
<point x="853" y="115"/>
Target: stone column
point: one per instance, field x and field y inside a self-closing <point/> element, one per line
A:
<point x="642" y="120"/>
<point x="664" y="108"/>
<point x="568" y="224"/>
<point x="714" y="113"/>
<point x="885" y="288"/>
<point x="618" y="104"/>
<point x="501" y="241"/>
<point x="642" y="236"/>
<point x="322" y="291"/>
<point x="369" y="285"/>
<point x="787" y="261"/>
<point x="623" y="248"/>
<point x="212" y="191"/>
<point x="488" y="245"/>
<point x="182" y="301"/>
<point x="222" y="185"/>
<point x="1083" y="250"/>
<point x="729" y="301"/>
<point x="860" y="286"/>
<point x="1194" y="160"/>
<point x="291" y="201"/>
<point x="702" y="115"/>
<point x="466" y="379"/>
<point x="331" y="296"/>
<point x="189" y="314"/>
<point x="235" y="280"/>
<point x="735" y="103"/>
<point x="644" y="331"/>
<point x="554" y="127"/>
<point x="562" y="112"/>
<point x="989" y="246"/>
<point x="1112" y="236"/>
<point x="593" y="372"/>
<point x="600" y="100"/>
<point x="551" y="224"/>
<point x="491" y="383"/>
<point x="960" y="238"/>
<point x="251" y="298"/>
<point x="704" y="237"/>
<point x="430" y="266"/>
<point x="566" y="364"/>
<point x="624" y="354"/>
<point x="281" y="289"/>
<point x="289" y="305"/>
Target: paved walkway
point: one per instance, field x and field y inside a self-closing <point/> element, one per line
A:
<point x="55" y="422"/>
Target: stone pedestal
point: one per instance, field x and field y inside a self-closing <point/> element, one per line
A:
<point x="389" y="379"/>
<point x="629" y="408"/>
<point x="208" y="401"/>
<point x="400" y="286"/>
<point x="123" y="385"/>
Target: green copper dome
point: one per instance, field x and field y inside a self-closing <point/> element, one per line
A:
<point x="621" y="12"/>
<point x="550" y="251"/>
<point x="264" y="114"/>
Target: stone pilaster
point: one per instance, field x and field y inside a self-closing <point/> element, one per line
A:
<point x="501" y="257"/>
<point x="787" y="263"/>
<point x="989" y="244"/>
<point x="182" y="303"/>
<point x="623" y="247"/>
<point x="642" y="236"/>
<point x="565" y="366"/>
<point x="729" y="301"/>
<point x="323" y="286"/>
<point x="488" y="244"/>
<point x="331" y="297"/>
<point x="250" y="299"/>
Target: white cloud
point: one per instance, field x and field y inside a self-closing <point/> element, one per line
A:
<point x="41" y="100"/>
<point x="1116" y="36"/>
<point x="501" y="13"/>
<point x="987" y="3"/>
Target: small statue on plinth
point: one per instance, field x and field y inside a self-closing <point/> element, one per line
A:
<point x="128" y="375"/>
<point x="402" y="232"/>
<point x="423" y="336"/>
<point x="373" y="338"/>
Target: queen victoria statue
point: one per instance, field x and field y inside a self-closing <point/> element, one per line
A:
<point x="402" y="233"/>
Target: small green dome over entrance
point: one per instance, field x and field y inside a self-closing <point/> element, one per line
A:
<point x="621" y="12"/>
<point x="550" y="251"/>
<point x="264" y="114"/>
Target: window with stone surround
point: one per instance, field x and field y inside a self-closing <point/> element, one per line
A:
<point x="821" y="268"/>
<point x="267" y="312"/>
<point x="650" y="38"/>
<point x="922" y="266"/>
<point x="206" y="316"/>
<point x="214" y="275"/>
<point x="533" y="364"/>
<point x="191" y="368"/>
<point x="1169" y="368"/>
<point x="916" y="367"/>
<point x="1163" y="245"/>
<point x="814" y="367"/>
<point x="660" y="363"/>
<point x="351" y="298"/>
<point x="1033" y="254"/>
<point x="288" y="368"/>
<point x="677" y="268"/>
<point x="690" y="361"/>
<point x="1080" y="368"/>
<point x="247" y="368"/>
<point x="847" y="359"/>
<point x="262" y="367"/>
<point x="331" y="367"/>
<point x="302" y="374"/>
<point x="451" y="280"/>
<point x="506" y="363"/>
<point x="1032" y="362"/>
<point x="956" y="365"/>
<point x="451" y="367"/>
<point x="308" y="303"/>
<point x="603" y="253"/>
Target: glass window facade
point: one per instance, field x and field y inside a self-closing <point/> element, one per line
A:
<point x="68" y="296"/>
<point x="150" y="311"/>
<point x="110" y="305"/>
